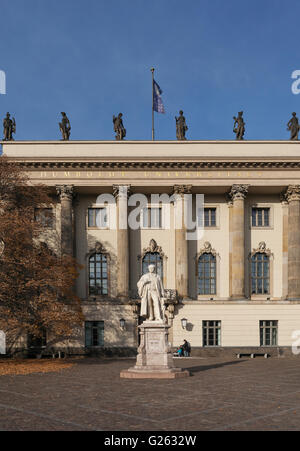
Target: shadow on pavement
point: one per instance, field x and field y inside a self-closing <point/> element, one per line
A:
<point x="198" y="369"/>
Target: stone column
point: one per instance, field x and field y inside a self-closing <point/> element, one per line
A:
<point x="293" y="197"/>
<point x="66" y="194"/>
<point x="237" y="197"/>
<point x="181" y="243"/>
<point x="121" y="193"/>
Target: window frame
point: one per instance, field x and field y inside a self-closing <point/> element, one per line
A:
<point x="217" y="337"/>
<point x="97" y="295"/>
<point x="92" y="337"/>
<point x="159" y="206"/>
<point x="97" y="207"/>
<point x="53" y="217"/>
<point x="211" y="206"/>
<point x="212" y="256"/>
<point x="263" y="327"/>
<point x="261" y="205"/>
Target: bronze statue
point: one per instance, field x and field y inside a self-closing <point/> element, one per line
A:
<point x="9" y="126"/>
<point x="239" y="126"/>
<point x="65" y="127"/>
<point x="293" y="127"/>
<point x="119" y="127"/>
<point x="181" y="127"/>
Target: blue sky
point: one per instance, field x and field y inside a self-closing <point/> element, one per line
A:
<point x="92" y="59"/>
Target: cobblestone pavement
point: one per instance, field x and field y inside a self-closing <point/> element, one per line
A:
<point x="254" y="394"/>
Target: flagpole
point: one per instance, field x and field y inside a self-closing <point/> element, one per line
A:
<point x="152" y="70"/>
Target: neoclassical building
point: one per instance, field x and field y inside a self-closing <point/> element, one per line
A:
<point x="235" y="286"/>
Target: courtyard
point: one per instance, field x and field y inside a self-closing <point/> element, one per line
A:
<point x="245" y="394"/>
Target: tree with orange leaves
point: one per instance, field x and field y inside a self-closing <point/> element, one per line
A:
<point x="36" y="281"/>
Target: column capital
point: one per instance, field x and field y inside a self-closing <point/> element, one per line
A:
<point x="238" y="192"/>
<point x="121" y="191"/>
<point x="182" y="189"/>
<point x="291" y="194"/>
<point x="65" y="192"/>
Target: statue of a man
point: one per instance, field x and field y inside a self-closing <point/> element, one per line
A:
<point x="239" y="126"/>
<point x="9" y="126"/>
<point x="293" y="127"/>
<point x="151" y="291"/>
<point x="65" y="127"/>
<point x="181" y="127"/>
<point x="119" y="127"/>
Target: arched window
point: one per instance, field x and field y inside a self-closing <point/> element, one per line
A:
<point x="207" y="278"/>
<point x="260" y="273"/>
<point x="98" y="274"/>
<point x="153" y="258"/>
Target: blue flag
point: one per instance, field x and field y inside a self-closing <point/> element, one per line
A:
<point x="158" y="105"/>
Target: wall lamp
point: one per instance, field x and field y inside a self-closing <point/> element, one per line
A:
<point x="183" y="323"/>
<point x="122" y="324"/>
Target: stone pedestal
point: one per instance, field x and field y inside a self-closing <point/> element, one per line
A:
<point x="155" y="358"/>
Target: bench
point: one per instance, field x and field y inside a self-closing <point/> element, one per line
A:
<point x="252" y="355"/>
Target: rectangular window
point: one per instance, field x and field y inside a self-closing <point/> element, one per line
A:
<point x="211" y="333"/>
<point x="268" y="333"/>
<point x="98" y="217"/>
<point x="152" y="218"/>
<point x="38" y="342"/>
<point x="94" y="333"/>
<point x="260" y="217"/>
<point x="208" y="217"/>
<point x="45" y="217"/>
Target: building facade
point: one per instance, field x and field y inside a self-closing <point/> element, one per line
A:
<point x="234" y="286"/>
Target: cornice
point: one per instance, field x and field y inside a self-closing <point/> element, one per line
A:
<point x="162" y="165"/>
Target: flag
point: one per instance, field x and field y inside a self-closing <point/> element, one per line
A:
<point x="158" y="105"/>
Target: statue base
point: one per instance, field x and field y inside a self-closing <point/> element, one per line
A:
<point x="155" y="358"/>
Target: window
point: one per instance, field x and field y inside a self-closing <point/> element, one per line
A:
<point x="260" y="274"/>
<point x="98" y="217"/>
<point x="38" y="342"/>
<point x="44" y="216"/>
<point x="207" y="274"/>
<point x="268" y="333"/>
<point x="211" y="333"/>
<point x="210" y="217"/>
<point x="152" y="218"/>
<point x="260" y="217"/>
<point x="153" y="258"/>
<point x="94" y="333"/>
<point x="98" y="274"/>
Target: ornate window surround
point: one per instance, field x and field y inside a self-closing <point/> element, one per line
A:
<point x="154" y="248"/>
<point x="98" y="249"/>
<point x="262" y="249"/>
<point x="208" y="249"/>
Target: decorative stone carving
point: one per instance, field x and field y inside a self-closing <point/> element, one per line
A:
<point x="262" y="249"/>
<point x="121" y="191"/>
<point x="152" y="248"/>
<point x="238" y="192"/>
<point x="292" y="193"/>
<point x="182" y="189"/>
<point x="207" y="249"/>
<point x="65" y="192"/>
